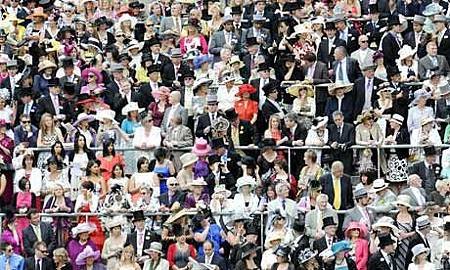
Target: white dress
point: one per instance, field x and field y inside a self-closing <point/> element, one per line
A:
<point x="427" y="266"/>
<point x="50" y="185"/>
<point x="146" y="179"/>
<point x="77" y="171"/>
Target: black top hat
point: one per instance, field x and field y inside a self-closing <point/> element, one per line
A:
<point x="263" y="67"/>
<point x="217" y="143"/>
<point x="103" y="20"/>
<point x="291" y="6"/>
<point x="447" y="226"/>
<point x="392" y="71"/>
<point x="25" y="91"/>
<point x="429" y="150"/>
<point x="267" y="142"/>
<point x="138" y="216"/>
<point x="53" y="82"/>
<point x="154" y="68"/>
<point x="152" y="41"/>
<point x="248" y="161"/>
<point x="3" y="33"/>
<point x="253" y="229"/>
<point x="69" y="88"/>
<point x="213" y="159"/>
<point x="231" y="114"/>
<point x="373" y="8"/>
<point x="189" y="74"/>
<point x="271" y="86"/>
<point x="393" y="20"/>
<point x="251" y="41"/>
<point x="385" y="240"/>
<point x="67" y="62"/>
<point x="236" y="10"/>
<point x="247" y="249"/>
<point x="298" y="226"/>
<point x="124" y="56"/>
<point x="146" y="56"/>
<point x="330" y="26"/>
<point x="136" y="4"/>
<point x="328" y="221"/>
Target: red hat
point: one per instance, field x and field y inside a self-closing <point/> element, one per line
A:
<point x="246" y="88"/>
<point x="96" y="72"/>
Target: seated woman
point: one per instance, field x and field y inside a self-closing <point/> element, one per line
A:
<point x="127" y="260"/>
<point x="245" y="200"/>
<point x="54" y="176"/>
<point x="274" y="131"/>
<point x="80" y="241"/>
<point x="318" y="135"/>
<point x="11" y="235"/>
<point x="109" y="159"/>
<point x="197" y="195"/>
<point x="89" y="259"/>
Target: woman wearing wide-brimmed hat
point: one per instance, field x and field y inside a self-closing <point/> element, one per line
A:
<point x="194" y="39"/>
<point x="159" y="106"/>
<point x="380" y="70"/>
<point x="397" y="158"/>
<point x="245" y="200"/>
<point x="186" y="175"/>
<point x="115" y="243"/>
<point x="156" y="262"/>
<point x="368" y="133"/>
<point x="46" y="70"/>
<point x="407" y="65"/>
<point x="426" y="134"/>
<point x="356" y="234"/>
<point x="246" y="108"/>
<point x="108" y="128"/>
<point x="88" y="259"/>
<point x="90" y="10"/>
<point x="419" y="109"/>
<point x="81" y="239"/>
<point x="94" y="80"/>
<point x="197" y="195"/>
<point x="318" y="135"/>
<point x="248" y="253"/>
<point x="341" y="258"/>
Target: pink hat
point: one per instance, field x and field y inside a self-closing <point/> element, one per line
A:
<point x="96" y="72"/>
<point x="201" y="147"/>
<point x="162" y="91"/>
<point x="87" y="253"/>
<point x="356" y="225"/>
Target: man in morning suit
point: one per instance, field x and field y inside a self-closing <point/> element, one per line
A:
<point x="317" y="72"/>
<point x="328" y="44"/>
<point x="383" y="259"/>
<point x="391" y="43"/>
<point x="342" y="136"/>
<point x="345" y="69"/>
<point x="38" y="231"/>
<point x="326" y="241"/>
<point x="365" y="90"/>
<point x="39" y="261"/>
<point x="340" y="100"/>
<point x="204" y="121"/>
<point x="347" y="34"/>
<point x="432" y="62"/>
<point x="141" y="238"/>
<point x="426" y="169"/>
<point x="271" y="105"/>
<point x="212" y="257"/>
<point x="423" y="228"/>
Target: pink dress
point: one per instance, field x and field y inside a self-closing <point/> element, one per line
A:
<point x="24" y="199"/>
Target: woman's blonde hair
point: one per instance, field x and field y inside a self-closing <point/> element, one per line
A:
<point x="130" y="249"/>
<point x="42" y="126"/>
<point x="274" y="116"/>
<point x="63" y="253"/>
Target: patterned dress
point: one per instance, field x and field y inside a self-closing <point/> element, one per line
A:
<point x="402" y="247"/>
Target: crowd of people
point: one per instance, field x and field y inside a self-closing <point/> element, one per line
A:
<point x="223" y="135"/>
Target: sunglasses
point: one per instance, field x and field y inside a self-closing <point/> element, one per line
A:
<point x="91" y="76"/>
<point x="149" y="25"/>
<point x="44" y="251"/>
<point x="174" y="184"/>
<point x="143" y="193"/>
<point x="26" y="122"/>
<point x="120" y="36"/>
<point x="364" y="41"/>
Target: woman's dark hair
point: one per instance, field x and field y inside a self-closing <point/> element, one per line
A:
<point x="22" y="183"/>
<point x="371" y="175"/>
<point x="54" y="160"/>
<point x="281" y="163"/>
<point x="28" y="156"/>
<point x="63" y="151"/>
<point x="114" y="52"/>
<point x="161" y="153"/>
<point x="312" y="155"/>
<point x="141" y="161"/>
<point x="114" y="168"/>
<point x="76" y="147"/>
<point x="88" y="185"/>
<point x="105" y="148"/>
<point x="91" y="163"/>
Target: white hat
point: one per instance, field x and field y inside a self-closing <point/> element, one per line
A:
<point x="84" y="116"/>
<point x="245" y="181"/>
<point x="235" y="59"/>
<point x="221" y="189"/>
<point x="427" y="120"/>
<point x="106" y="114"/>
<point x="201" y="81"/>
<point x="405" y="52"/>
<point x="397" y="118"/>
<point x="130" y="107"/>
<point x="422" y="222"/>
<point x="419" y="249"/>
<point x="188" y="159"/>
<point x="379" y="185"/>
<point x="83" y="228"/>
<point x="386" y="222"/>
<point x="134" y="44"/>
<point x="403" y="200"/>
<point x="198" y="182"/>
<point x="115" y="222"/>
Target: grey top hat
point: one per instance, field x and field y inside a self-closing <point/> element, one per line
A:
<point x="419" y="19"/>
<point x="116" y="67"/>
<point x="211" y="99"/>
<point x="175" y="52"/>
<point x="422" y="222"/>
<point x="360" y="192"/>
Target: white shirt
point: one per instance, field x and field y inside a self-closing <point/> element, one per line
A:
<point x="419" y="197"/>
<point x="368" y="93"/>
<point x="344" y="71"/>
<point x="311" y="70"/>
<point x="188" y="95"/>
<point x="387" y="258"/>
<point x="226" y="97"/>
<point x="330" y="43"/>
<point x="339" y="99"/>
<point x="153" y="138"/>
<point x="173" y="108"/>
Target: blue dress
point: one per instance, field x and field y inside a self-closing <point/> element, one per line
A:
<point x="164" y="171"/>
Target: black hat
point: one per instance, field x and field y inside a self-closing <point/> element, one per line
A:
<point x="236" y="10"/>
<point x="291" y="6"/>
<point x="253" y="229"/>
<point x="67" y="62"/>
<point x="267" y="142"/>
<point x="217" y="143"/>
<point x="248" y="249"/>
<point x="26" y="91"/>
<point x="429" y="150"/>
<point x="153" y="41"/>
<point x="373" y="8"/>
<point x="330" y="26"/>
<point x="385" y="240"/>
<point x="283" y="251"/>
<point x="263" y="67"/>
<point x="393" y="20"/>
<point x="271" y="86"/>
<point x="189" y="74"/>
<point x="3" y="33"/>
<point x="213" y="159"/>
<point x="103" y="20"/>
<point x="63" y="30"/>
<point x="146" y="56"/>
<point x="124" y="56"/>
<point x="138" y="216"/>
<point x="447" y="226"/>
<point x="231" y="114"/>
<point x="288" y="58"/>
<point x="153" y="68"/>
<point x="392" y="71"/>
<point x="136" y="4"/>
<point x="248" y="161"/>
<point x="53" y="82"/>
<point x="298" y="226"/>
<point x="69" y="88"/>
<point x="251" y="41"/>
<point x="328" y="221"/>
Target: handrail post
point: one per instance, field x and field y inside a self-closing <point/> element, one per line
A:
<point x="261" y="240"/>
<point x="289" y="161"/>
<point x="378" y="161"/>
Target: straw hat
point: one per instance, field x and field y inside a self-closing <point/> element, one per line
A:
<point x="426" y="121"/>
<point x="379" y="185"/>
<point x="83" y="228"/>
<point x="397" y="118"/>
<point x="334" y="86"/>
<point x="403" y="200"/>
<point x="87" y="253"/>
<point x="37" y="12"/>
<point x="188" y="159"/>
<point x="235" y="59"/>
<point x="106" y="114"/>
<point x="175" y="216"/>
<point x="115" y="222"/>
<point x="422" y="222"/>
<point x="46" y="64"/>
<point x="294" y="89"/>
<point x="134" y="44"/>
<point x="387" y="222"/>
<point x="199" y="182"/>
<point x="200" y="82"/>
<point x="131" y="107"/>
<point x="277" y="236"/>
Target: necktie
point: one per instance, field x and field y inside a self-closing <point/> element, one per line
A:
<point x="140" y="240"/>
<point x="283" y="203"/>
<point x="340" y="73"/>
<point x="339" y="132"/>
<point x="337" y="193"/>
<point x="7" y="264"/>
<point x="37" y="231"/>
<point x="330" y="242"/>
<point x="434" y="61"/>
<point x="213" y="116"/>
<point x="369" y="83"/>
<point x="56" y="103"/>
<point x="38" y="265"/>
<point x="27" y="108"/>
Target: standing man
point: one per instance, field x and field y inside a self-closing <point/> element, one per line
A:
<point x="383" y="259"/>
<point x="365" y="90"/>
<point x="425" y="169"/>
<point x="328" y="44"/>
<point x="345" y="69"/>
<point x="364" y="54"/>
<point x="342" y="136"/>
<point x="360" y="213"/>
<point x="347" y="34"/>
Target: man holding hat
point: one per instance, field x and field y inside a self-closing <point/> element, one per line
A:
<point x="224" y="37"/>
<point x="328" y="44"/>
<point x="426" y="169"/>
<point x="432" y="61"/>
<point x="205" y="120"/>
<point x="141" y="237"/>
<point x="262" y="34"/>
<point x="384" y="258"/>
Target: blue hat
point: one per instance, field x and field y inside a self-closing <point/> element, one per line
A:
<point x="343" y="245"/>
<point x="199" y="60"/>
